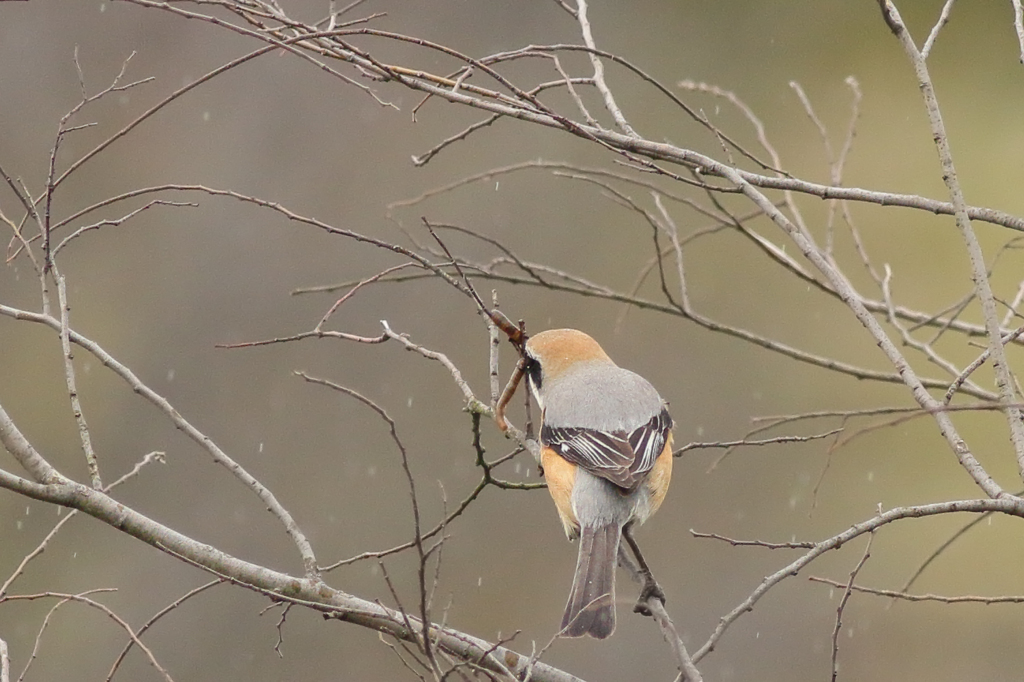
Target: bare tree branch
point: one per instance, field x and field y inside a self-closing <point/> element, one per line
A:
<point x="982" y="287"/>
<point x="43" y="473"/>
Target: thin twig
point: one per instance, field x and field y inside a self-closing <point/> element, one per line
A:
<point x="69" y="378"/>
<point x="904" y="596"/>
<point x="599" y="82"/>
<point x="731" y="445"/>
<point x="943" y="20"/>
<point x="471" y="400"/>
<point x="114" y="222"/>
<point x="753" y="543"/>
<point x="847" y="591"/>
<point x="926" y="348"/>
<point x="156" y="617"/>
<point x="960" y="532"/>
<point x="976" y="363"/>
<point x="82" y="598"/>
<point x="359" y="285"/>
<point x="410" y="479"/>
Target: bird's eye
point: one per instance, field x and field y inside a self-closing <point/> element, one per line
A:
<point x="533" y="373"/>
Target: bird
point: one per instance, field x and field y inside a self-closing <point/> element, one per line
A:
<point x="606" y="455"/>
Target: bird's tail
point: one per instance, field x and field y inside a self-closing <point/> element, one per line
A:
<point x="591" y="607"/>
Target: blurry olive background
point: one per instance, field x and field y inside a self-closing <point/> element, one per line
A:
<point x="160" y="291"/>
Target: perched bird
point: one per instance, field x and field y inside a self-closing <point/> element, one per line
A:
<point x="606" y="451"/>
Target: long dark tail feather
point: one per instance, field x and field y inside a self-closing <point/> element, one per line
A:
<point x="591" y="607"/>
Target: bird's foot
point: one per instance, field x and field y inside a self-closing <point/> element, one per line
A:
<point x="651" y="589"/>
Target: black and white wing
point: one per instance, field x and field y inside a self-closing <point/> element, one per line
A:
<point x="621" y="457"/>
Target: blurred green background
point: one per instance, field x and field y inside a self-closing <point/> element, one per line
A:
<point x="162" y="290"/>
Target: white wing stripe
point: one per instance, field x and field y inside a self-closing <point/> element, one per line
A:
<point x="620" y="457"/>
